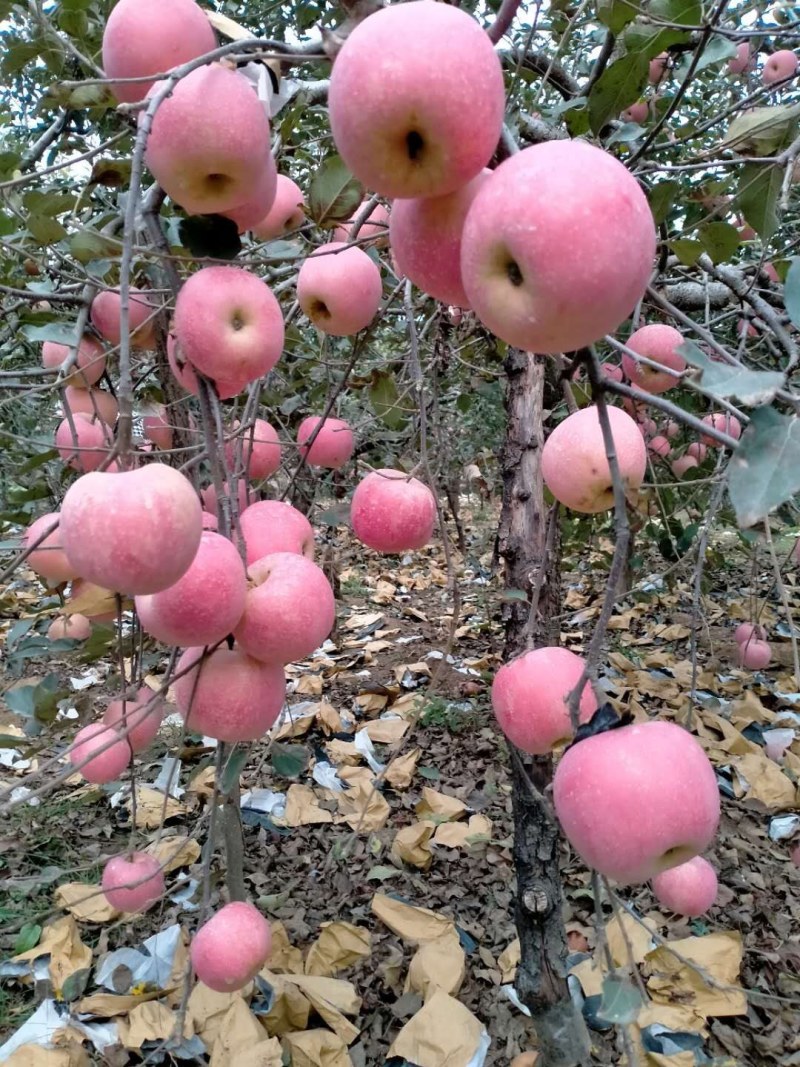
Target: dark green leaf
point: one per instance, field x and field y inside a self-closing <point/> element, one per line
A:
<point x="289" y="761"/>
<point x="234" y="764"/>
<point x="764" y="471"/>
<point x="27" y="938"/>
<point x="724" y="380"/>
<point x="618" y="87"/>
<point x="384" y="398"/>
<point x="791" y="292"/>
<point x="45" y="230"/>
<point x="662" y="197"/>
<point x="75" y="984"/>
<point x="111" y="172"/>
<point x="88" y="245"/>
<point x="677" y="12"/>
<point x="649" y="40"/>
<point x="210" y="235"/>
<point x="621" y="1000"/>
<point x="616" y="14"/>
<point x="720" y="240"/>
<point x="334" y="194"/>
<point x="757" y="197"/>
<point x="39" y="203"/>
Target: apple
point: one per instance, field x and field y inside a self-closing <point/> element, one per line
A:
<point x="230" y="949"/>
<point x="151" y="37"/>
<point x="688" y="889"/>
<point x="181" y="368"/>
<point x="392" y="512"/>
<point x="647" y="428"/>
<point x="574" y="463"/>
<point x="133" y="882"/>
<point x="139" y="720"/>
<point x="416" y="100"/>
<point x="210" y="522"/>
<point x="375" y="228"/>
<point x="260" y="450"/>
<point x="69" y="627"/>
<point x="99" y="753"/>
<point x="550" y="260"/>
<point x="425" y="235"/>
<point x="637" y="800"/>
<point x="229" y="696"/>
<point x="659" y="446"/>
<point x="157" y="427"/>
<point x="779" y="66"/>
<point x="105" y="316"/>
<point x="86" y="448"/>
<point x="672" y="429"/>
<point x="90" y="364"/>
<point x="754" y="655"/>
<point x="723" y="422"/>
<point x="333" y="445"/>
<point x="637" y="112"/>
<point x="659" y="343"/>
<point x="48" y="559"/>
<point x="770" y="271"/>
<point x="795" y="854"/>
<point x="257" y="206"/>
<point x="698" y="450"/>
<point x="95" y="403"/>
<point x="609" y="370"/>
<point x="209" y="144"/>
<point x="209" y="497"/>
<point x="274" y="526"/>
<point x="205" y="604"/>
<point x="285" y="215"/>
<point x="529" y="698"/>
<point x="747" y="631"/>
<point x="339" y="287"/>
<point x="228" y="325"/>
<point x="682" y="464"/>
<point x="742" y="61"/>
<point x="134" y="532"/>
<point x="658" y="68"/>
<point x="289" y="609"/>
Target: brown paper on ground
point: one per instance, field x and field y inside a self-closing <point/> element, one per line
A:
<point x="732" y="743"/>
<point x="385" y="731"/>
<point x="590" y="976"/>
<point x="478" y="831"/>
<point x="748" y="708"/>
<point x="363" y="808"/>
<point x="415" y="925"/>
<point x="401" y="770"/>
<point x="411" y="845"/>
<point x="330" y="998"/>
<point x="439" y="807"/>
<point x="149" y="1022"/>
<point x="639" y="936"/>
<point x="439" y="964"/>
<point x="267" y="1053"/>
<point x="151" y="808"/>
<point x="357" y="775"/>
<point x="202" y="784"/>
<point x="443" y="1033"/>
<point x="508" y="961"/>
<point x="338" y="946"/>
<point x="207" y="1009"/>
<point x="302" y="808"/>
<point x="719" y="955"/>
<point x="174" y="852"/>
<point x="329" y="718"/>
<point x="241" y="1033"/>
<point x="86" y="903"/>
<point x="408" y="705"/>
<point x="36" y="1056"/>
<point x="310" y="685"/>
<point x="674" y="1016"/>
<point x="767" y="782"/>
<point x="680" y="1059"/>
<point x="68" y="954"/>
<point x="290" y="1009"/>
<point x="317" y="1048"/>
<point x="109" y="1005"/>
<point x="342" y="753"/>
<point x="296" y="725"/>
<point x="284" y="956"/>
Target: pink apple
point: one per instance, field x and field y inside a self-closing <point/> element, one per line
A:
<point x="754" y="655"/>
<point x="135" y="532"/>
<point x="87" y="447"/>
<point x="260" y="450"/>
<point x="746" y="329"/>
<point x="747" y="631"/>
<point x="333" y="445"/>
<point x="637" y="112"/>
<point x="416" y="100"/>
<point x="779" y="66"/>
<point x="228" y="325"/>
<point x="339" y="287"/>
<point x="426" y="240"/>
<point x="672" y="429"/>
<point x="770" y="271"/>
<point x="723" y="422"/>
<point x="698" y="450"/>
<point x="574" y="464"/>
<point x="182" y="369"/>
<point x="659" y="446"/>
<point x="209" y="144"/>
<point x="205" y="604"/>
<point x="614" y="373"/>
<point x="232" y="697"/>
<point x="286" y="213"/>
<point x="209" y="497"/>
<point x="151" y="37"/>
<point x="392" y="512"/>
<point x="70" y="627"/>
<point x="529" y="698"/>
<point x="688" y="889"/>
<point x="274" y="526"/>
<point x="550" y="260"/>
<point x="133" y="882"/>
<point x="289" y="609"/>
<point x="230" y="949"/>
<point x="682" y="464"/>
<point x="743" y="59"/>
<point x="157" y="427"/>
<point x="795" y="855"/>
<point x="48" y="560"/>
<point x="89" y="366"/>
<point x="210" y="522"/>
<point x="105" y="315"/>
<point x="375" y="228"/>
<point x="637" y="800"/>
<point x="258" y="205"/>
<point x="99" y="753"/>
<point x="96" y="403"/>
<point x="658" y="68"/>
<point x="658" y="342"/>
<point x="647" y="428"/>
<point x="138" y="720"/>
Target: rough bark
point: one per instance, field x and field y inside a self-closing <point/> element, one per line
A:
<point x="532" y="564"/>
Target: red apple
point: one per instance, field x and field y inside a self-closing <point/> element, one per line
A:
<point x="286" y="213"/>
<point x="333" y="445"/>
<point x="658" y="68"/>
<point x="683" y="464"/>
<point x="94" y="403"/>
<point x="724" y="422"/>
<point x="230" y="949"/>
<point x="339" y="287"/>
<point x="274" y="526"/>
<point x="659" y="446"/>
<point x="779" y="66"/>
<point x="157" y="428"/>
<point x="659" y="343"/>
<point x="48" y="560"/>
<point x="392" y="512"/>
<point x="754" y="655"/>
<point x="258" y="205"/>
<point x="89" y="366"/>
<point x="376" y="227"/>
<point x="139" y="720"/>
<point x="133" y="882"/>
<point x="746" y="631"/>
<point x="742" y="61"/>
<point x="69" y="627"/>
<point x="260" y="450"/>
<point x="105" y="752"/>
<point x="209" y="497"/>
<point x="688" y="889"/>
<point x="609" y="370"/>
<point x="105" y="315"/>
<point x="637" y="112"/>
<point x="698" y="450"/>
<point x="86" y="448"/>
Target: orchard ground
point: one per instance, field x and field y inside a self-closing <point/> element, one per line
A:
<point x="383" y="673"/>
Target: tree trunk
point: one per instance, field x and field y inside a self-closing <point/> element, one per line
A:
<point x="531" y="554"/>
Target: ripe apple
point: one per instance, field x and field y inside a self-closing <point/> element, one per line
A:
<point x="610" y="370"/>
<point x="529" y="698"/>
<point x="574" y="464"/>
<point x="637" y="112"/>
<point x="688" y="889"/>
<point x="89" y="366"/>
<point x="257" y="206"/>
<point x="289" y="609"/>
<point x="698" y="450"/>
<point x="105" y="315"/>
<point x="659" y="446"/>
<point x="260" y="450"/>
<point x="672" y="429"/>
<point x="182" y="369"/>
<point x="233" y="697"/>
<point x="647" y="428"/>
<point x="286" y="214"/>
<point x="392" y="512"/>
<point x="231" y="948"/>
<point x="274" y="526"/>
<point x="742" y="61"/>
<point x="138" y="720"/>
<point x="658" y="68"/>
<point x="95" y="403"/>
<point x="754" y="655"/>
<point x="339" y="287"/>
<point x="376" y="227"/>
<point x="637" y="800"/>
<point x="410" y="114"/>
<point x="48" y="560"/>
<point x="724" y="422"/>
<point x="133" y="882"/>
<point x="135" y="532"/>
<point x="747" y="631"/>
<point x="683" y="464"/>
<point x="426" y="240"/>
<point x="551" y="261"/>
<point x="105" y="752"/>
<point x="69" y="627"/>
<point x="659" y="343"/>
<point x="228" y="325"/>
<point x="205" y="604"/>
<point x="209" y="144"/>
<point x="779" y="66"/>
<point x="87" y="448"/>
<point x="151" y="37"/>
<point x="209" y="497"/>
<point x="157" y="427"/>
<point x="332" y="447"/>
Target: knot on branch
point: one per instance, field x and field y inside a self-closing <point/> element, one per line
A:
<point x="536" y="900"/>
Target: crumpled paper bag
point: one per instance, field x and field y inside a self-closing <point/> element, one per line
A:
<point x="68" y="954"/>
<point x="443" y="1033"/>
<point x="412" y="845"/>
<point x="439" y="807"/>
<point x="439" y="964"/>
<point x="317" y="1048"/>
<point x="415" y="925"/>
<point x="338" y="946"/>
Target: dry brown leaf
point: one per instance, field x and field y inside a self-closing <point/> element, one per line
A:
<point x="94" y="601"/>
<point x="478" y="831"/>
<point x="302" y="808"/>
<point x="87" y="903"/>
<point x="202" y="785"/>
<point x="317" y="1048"/>
<point x="443" y="1033"/>
<point x="415" y="925"/>
<point x="363" y="808"/>
<point x="439" y="807"/>
<point x="338" y="946"/>
<point x="438" y="964"/>
<point x="411" y="845"/>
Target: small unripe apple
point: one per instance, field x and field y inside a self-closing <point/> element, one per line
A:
<point x="139" y="720"/>
<point x="754" y="655"/>
<point x="659" y="446"/>
<point x="743" y="59"/>
<point x="333" y="445"/>
<point x="779" y="66"/>
<point x="70" y="627"/>
<point x="133" y="882"/>
<point x="48" y="560"/>
<point x="392" y="512"/>
<point x="658" y="342"/>
<point x="105" y="751"/>
<point x="529" y="698"/>
<point x="724" y="422"/>
<point x="232" y="697"/>
<point x="94" y="403"/>
<point x="105" y="315"/>
<point x="260" y="450"/>
<point x="683" y="464"/>
<point x="286" y="213"/>
<point x="86" y="448"/>
<point x="274" y="526"/>
<point x="689" y="889"/>
<point x="89" y="366"/>
<point x="230" y="949"/>
<point x="746" y="631"/>
<point x="339" y="288"/>
<point x="376" y="227"/>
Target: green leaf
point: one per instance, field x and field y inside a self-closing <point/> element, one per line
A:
<point x="234" y="765"/>
<point x="210" y="235"/>
<point x="764" y="131"/>
<point x="75" y="985"/>
<point x="662" y="197"/>
<point x="621" y="1000"/>
<point x="334" y="194"/>
<point x="677" y="12"/>
<point x="27" y="938"/>
<point x="431" y="773"/>
<point x="380" y="874"/>
<point x="757" y="197"/>
<point x="89" y="244"/>
<point x="618" y="86"/>
<point x="38" y="701"/>
<point x="724" y="380"/>
<point x="40" y="203"/>
<point x="687" y="251"/>
<point x="720" y="240"/>
<point x="384" y="398"/>
<point x="764" y="471"/>
<point x="791" y="292"/>
<point x="63" y="333"/>
<point x="111" y="172"/>
<point x="45" y="230"/>
<point x="616" y="14"/>
<point x="717" y="50"/>
<point x="289" y="761"/>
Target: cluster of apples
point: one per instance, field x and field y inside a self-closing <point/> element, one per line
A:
<point x="753" y="649"/>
